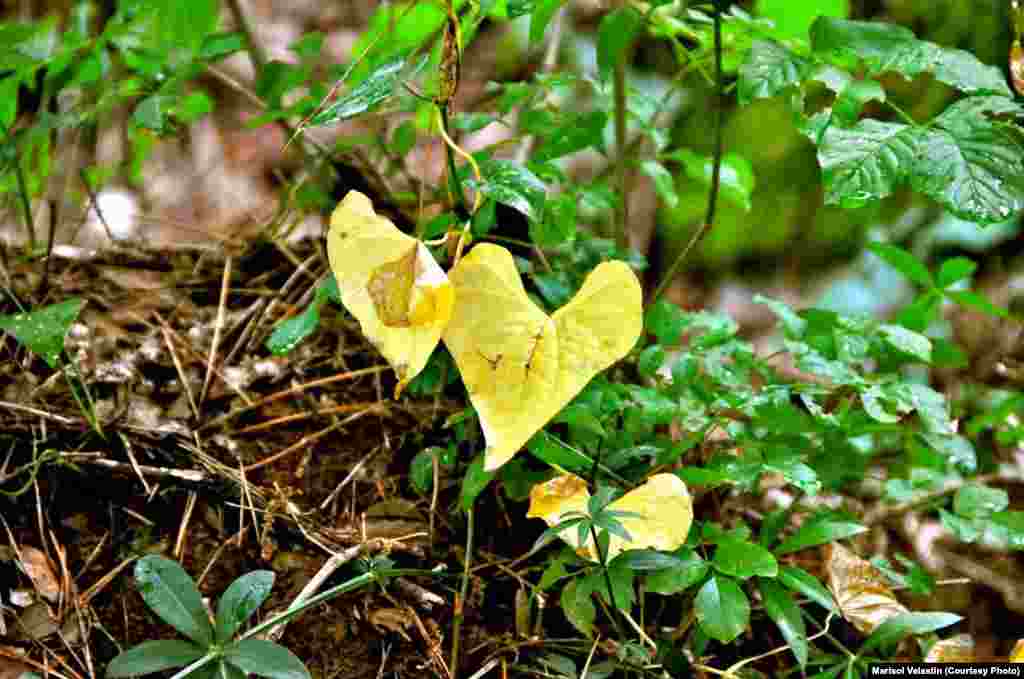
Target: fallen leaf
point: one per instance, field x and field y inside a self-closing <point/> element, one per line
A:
<point x="859" y="588"/>
<point x="38" y="568"/>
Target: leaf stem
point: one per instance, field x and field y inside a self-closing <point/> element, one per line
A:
<point x="453" y="177"/>
<point x="622" y="179"/>
<point x="460" y="603"/>
<point x="716" y="171"/>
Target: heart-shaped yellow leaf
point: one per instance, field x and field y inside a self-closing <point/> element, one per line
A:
<point x="391" y="283"/>
<point x="661" y="512"/>
<point x="520" y="366"/>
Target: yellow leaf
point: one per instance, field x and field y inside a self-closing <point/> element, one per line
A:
<point x="390" y="282"/>
<point x="958" y="648"/>
<point x="662" y="506"/>
<point x="520" y="366"/>
<point x="1017" y="654"/>
<point x="859" y="588"/>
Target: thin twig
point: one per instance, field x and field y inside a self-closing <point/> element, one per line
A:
<point x="716" y="171"/>
<point x="460" y="602"/>
<point x="218" y="327"/>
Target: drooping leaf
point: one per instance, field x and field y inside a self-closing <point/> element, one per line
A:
<point x="864" y="598"/>
<point x="377" y="88"/>
<point x="800" y="581"/>
<point x="813" y="533"/>
<point x="579" y="607"/>
<point x="904" y="624"/>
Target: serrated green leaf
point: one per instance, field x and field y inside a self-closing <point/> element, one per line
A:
<point x="266" y="659"/>
<point x="813" y="533"/>
<point x="883" y="47"/>
<point x="904" y="624"/>
<point x="377" y="88"/>
<point x="786" y="614"/>
<point x="615" y="34"/>
<point x="154" y="656"/>
<point x="769" y="70"/>
<point x="723" y="609"/>
<point x="42" y="331"/>
<point x="170" y="592"/>
<point x="866" y="162"/>
<point x="742" y="559"/>
<point x="240" y="600"/>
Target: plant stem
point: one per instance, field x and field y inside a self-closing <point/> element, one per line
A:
<point x="716" y="171"/>
<point x="622" y="207"/>
<point x="453" y="178"/>
<point x="26" y="205"/>
<point x="460" y="603"/>
<point x="603" y="558"/>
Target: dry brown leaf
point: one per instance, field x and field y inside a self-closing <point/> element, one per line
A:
<point x="38" y="568"/>
<point x="859" y="588"/>
<point x="959" y="648"/>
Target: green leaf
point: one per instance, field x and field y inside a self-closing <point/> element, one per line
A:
<point x="42" y="331"/>
<point x="154" y="656"/>
<point x="769" y="70"/>
<point x="421" y="470"/>
<point x="664" y="182"/>
<point x="666" y="320"/>
<point x="240" y="600"/>
<point x="794" y="19"/>
<point x="800" y="581"/>
<point x="736" y="177"/>
<point x="907" y="341"/>
<point x="615" y="34"/>
<point x="578" y="607"/>
<point x="650" y="360"/>
<point x="742" y="559"/>
<point x="904" y="624"/>
<point x="511" y="184"/>
<point x="580" y="131"/>
<point x="972" y="299"/>
<point x="290" y="332"/>
<point x="883" y="47"/>
<point x="543" y="11"/>
<point x="954" y="270"/>
<point x="266" y="659"/>
<point x="688" y="570"/>
<point x="219" y="45"/>
<point x="171" y="593"/>
<point x="559" y="223"/>
<point x="559" y="454"/>
<point x="904" y="262"/>
<point x="378" y="87"/>
<point x="851" y="100"/>
<point x="152" y="112"/>
<point x="977" y="501"/>
<point x="866" y="162"/>
<point x="813" y="533"/>
<point x="396" y="30"/>
<point x="1013" y="522"/>
<point x="474" y="482"/>
<point x="970" y="164"/>
<point x="723" y="609"/>
<point x="786" y="614"/>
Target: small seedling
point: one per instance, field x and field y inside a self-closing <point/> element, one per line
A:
<point x="213" y="652"/>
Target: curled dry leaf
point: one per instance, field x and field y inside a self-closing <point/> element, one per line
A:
<point x="521" y="366"/>
<point x="859" y="588"/>
<point x="958" y="648"/>
<point x="391" y="283"/>
<point x="38" y="568"/>
<point x="662" y="507"/>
